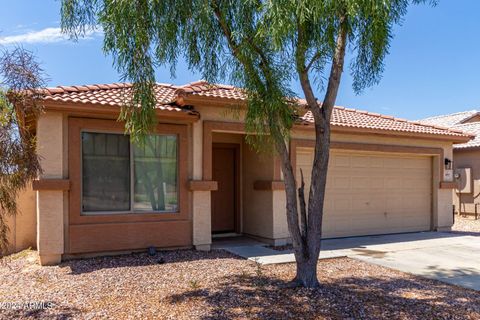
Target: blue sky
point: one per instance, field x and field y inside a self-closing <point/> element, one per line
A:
<point x="433" y="66"/>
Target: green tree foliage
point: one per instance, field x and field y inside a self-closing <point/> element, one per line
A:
<point x="20" y="76"/>
<point x="261" y="46"/>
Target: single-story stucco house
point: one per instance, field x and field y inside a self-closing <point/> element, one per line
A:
<point x="466" y="160"/>
<point x="196" y="177"/>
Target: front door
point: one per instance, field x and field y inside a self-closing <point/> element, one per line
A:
<point x="224" y="200"/>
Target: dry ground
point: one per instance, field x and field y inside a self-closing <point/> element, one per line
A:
<point x="216" y="285"/>
<point x="466" y="224"/>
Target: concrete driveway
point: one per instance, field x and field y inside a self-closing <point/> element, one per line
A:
<point x="450" y="257"/>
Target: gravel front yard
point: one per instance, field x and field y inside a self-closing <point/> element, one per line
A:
<point x="216" y="285"/>
<point x="466" y="224"/>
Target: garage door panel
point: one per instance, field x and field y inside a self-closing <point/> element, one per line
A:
<point x="373" y="194"/>
<point x="415" y="183"/>
<point x="338" y="161"/>
<point x="417" y="163"/>
<point x="361" y="182"/>
<point x="360" y="162"/>
<point x="393" y="163"/>
<point x="341" y="183"/>
<point x="393" y="183"/>
<point x="377" y="163"/>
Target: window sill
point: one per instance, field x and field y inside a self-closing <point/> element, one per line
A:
<point x="51" y="184"/>
<point x="126" y="213"/>
<point x="122" y="217"/>
<point x="202" y="185"/>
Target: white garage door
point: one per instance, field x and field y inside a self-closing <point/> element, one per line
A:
<point x="373" y="194"/>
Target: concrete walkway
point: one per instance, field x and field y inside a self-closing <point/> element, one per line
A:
<point x="450" y="257"/>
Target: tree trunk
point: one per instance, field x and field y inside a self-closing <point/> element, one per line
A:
<point x="308" y="251"/>
<point x="306" y="262"/>
<point x="307" y="273"/>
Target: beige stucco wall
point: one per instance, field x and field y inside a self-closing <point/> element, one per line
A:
<point x="280" y="226"/>
<point x="50" y="204"/>
<point x="23" y="230"/>
<point x="39" y="223"/>
<point x="217" y="113"/>
<point x="23" y="227"/>
<point x="258" y="204"/>
<point x="202" y="234"/>
<point x="468" y="159"/>
<point x="200" y="200"/>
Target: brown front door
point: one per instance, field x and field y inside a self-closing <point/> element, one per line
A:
<point x="224" y="200"/>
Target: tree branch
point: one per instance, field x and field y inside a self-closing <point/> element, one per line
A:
<point x="301" y="50"/>
<point x="303" y="207"/>
<point x="291" y="194"/>
<point x="235" y="47"/>
<point x="315" y="57"/>
<point x="336" y="70"/>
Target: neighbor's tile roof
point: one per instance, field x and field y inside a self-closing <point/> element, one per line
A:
<point x="456" y="121"/>
<point x="449" y="120"/>
<point x="472" y="128"/>
<point x="117" y="94"/>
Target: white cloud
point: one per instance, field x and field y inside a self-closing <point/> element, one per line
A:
<point x="47" y="35"/>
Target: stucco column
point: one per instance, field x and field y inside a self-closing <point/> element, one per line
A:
<point x="445" y="210"/>
<point x="202" y="234"/>
<point x="443" y="206"/>
<point x="50" y="233"/>
<point x="280" y="227"/>
<point x="201" y="199"/>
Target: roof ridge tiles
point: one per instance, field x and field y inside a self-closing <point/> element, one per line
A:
<point x="68" y="88"/>
<point x="81" y="88"/>
<point x="164" y="84"/>
<point x="449" y="115"/>
<point x="54" y="90"/>
<point x="466" y="124"/>
<point x="86" y="87"/>
<point x="198" y="82"/>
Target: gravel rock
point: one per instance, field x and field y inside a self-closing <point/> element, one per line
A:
<point x="466" y="224"/>
<point x="217" y="285"/>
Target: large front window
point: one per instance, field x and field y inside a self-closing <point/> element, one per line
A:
<point x="121" y="177"/>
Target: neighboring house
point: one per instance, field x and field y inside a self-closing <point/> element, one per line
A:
<point x="466" y="159"/>
<point x="196" y="176"/>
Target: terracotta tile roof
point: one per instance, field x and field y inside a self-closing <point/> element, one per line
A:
<point x="449" y="120"/>
<point x="117" y="94"/>
<point x="346" y="117"/>
<point x="203" y="88"/>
